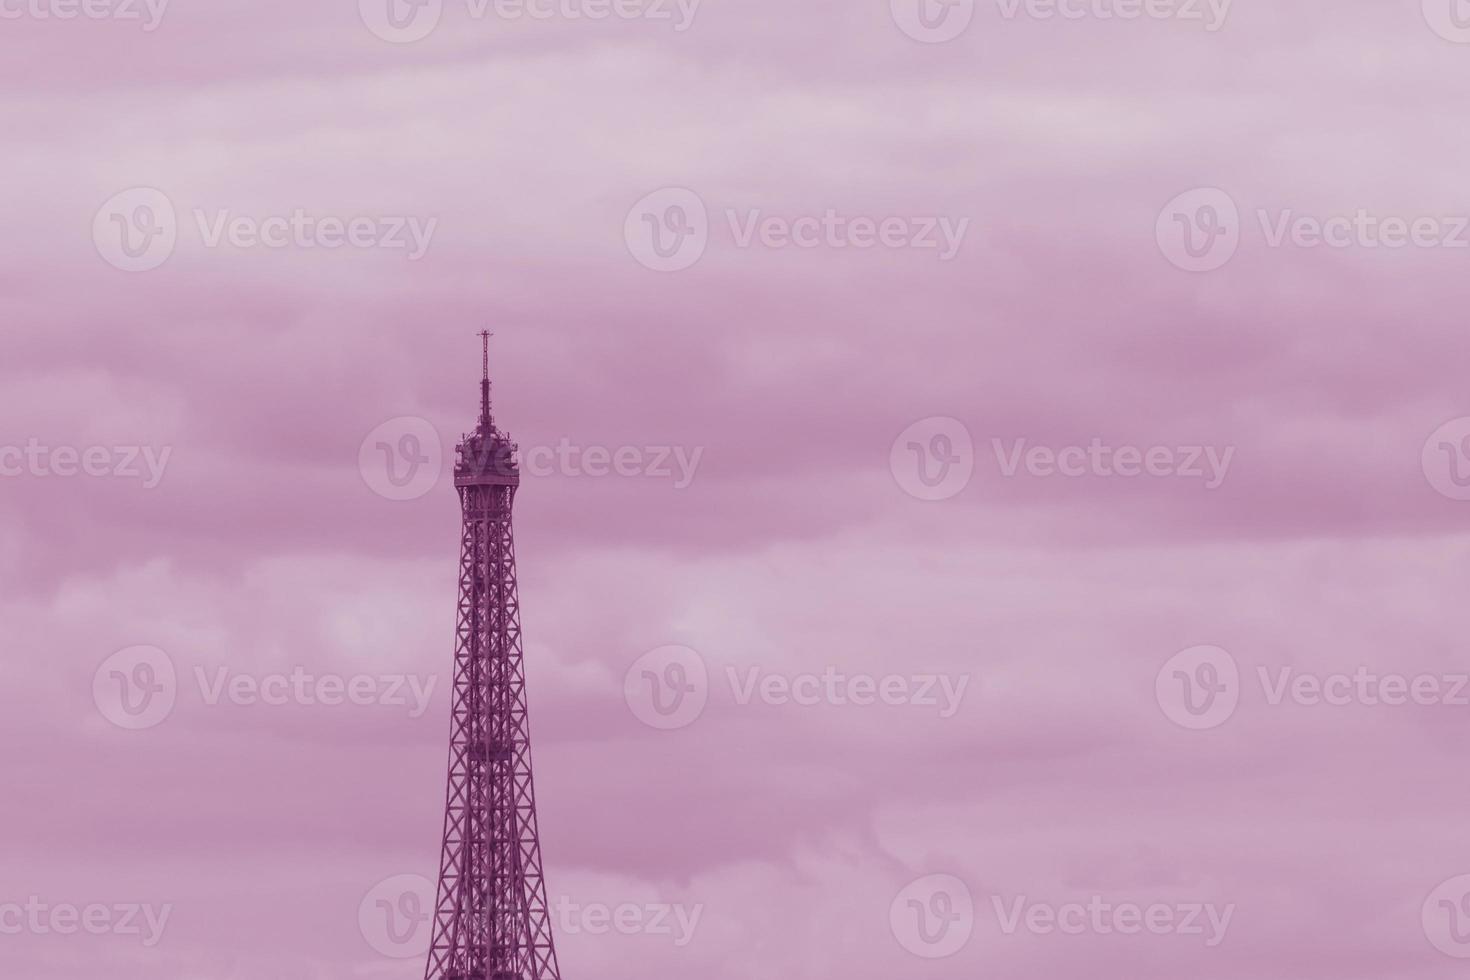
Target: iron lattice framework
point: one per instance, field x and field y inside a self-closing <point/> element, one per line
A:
<point x="491" y="920"/>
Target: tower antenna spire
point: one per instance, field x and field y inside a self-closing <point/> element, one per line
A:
<point x="485" y="336"/>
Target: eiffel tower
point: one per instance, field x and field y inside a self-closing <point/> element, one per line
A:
<point x="490" y="917"/>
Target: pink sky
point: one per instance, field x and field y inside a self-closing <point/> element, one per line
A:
<point x="791" y="835"/>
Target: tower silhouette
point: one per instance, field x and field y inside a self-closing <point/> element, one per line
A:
<point x="490" y="917"/>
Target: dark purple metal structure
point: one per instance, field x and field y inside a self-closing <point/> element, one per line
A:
<point x="491" y="920"/>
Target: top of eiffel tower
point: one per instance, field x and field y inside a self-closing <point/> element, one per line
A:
<point x="486" y="425"/>
<point x="487" y="455"/>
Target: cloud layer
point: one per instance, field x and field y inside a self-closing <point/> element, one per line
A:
<point x="776" y="406"/>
